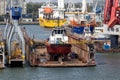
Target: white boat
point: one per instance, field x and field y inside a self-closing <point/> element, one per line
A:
<point x="58" y="42"/>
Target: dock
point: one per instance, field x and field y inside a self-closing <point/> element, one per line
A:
<point x="99" y="47"/>
<point x="41" y="58"/>
<point x="22" y="23"/>
<point x="65" y="64"/>
<point x="82" y="52"/>
<point x="63" y="49"/>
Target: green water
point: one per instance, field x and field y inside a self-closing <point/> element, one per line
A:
<point x="107" y="68"/>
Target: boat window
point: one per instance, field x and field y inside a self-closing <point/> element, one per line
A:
<point x="65" y="31"/>
<point x="59" y="31"/>
<point x="86" y="29"/>
<point x="55" y="31"/>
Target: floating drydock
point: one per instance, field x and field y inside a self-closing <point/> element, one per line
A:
<point x="57" y="51"/>
<point x="81" y="55"/>
<point x="40" y="57"/>
<point x="37" y="54"/>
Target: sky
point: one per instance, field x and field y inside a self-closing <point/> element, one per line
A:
<point x="55" y="0"/>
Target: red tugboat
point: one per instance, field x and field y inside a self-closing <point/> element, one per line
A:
<point x="57" y="45"/>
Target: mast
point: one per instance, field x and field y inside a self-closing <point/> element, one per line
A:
<point x="61" y="4"/>
<point x="84" y="6"/>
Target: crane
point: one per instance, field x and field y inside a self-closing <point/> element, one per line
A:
<point x="112" y="13"/>
<point x="111" y="24"/>
<point x="13" y="36"/>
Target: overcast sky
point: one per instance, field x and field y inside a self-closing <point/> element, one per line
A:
<point x="54" y="0"/>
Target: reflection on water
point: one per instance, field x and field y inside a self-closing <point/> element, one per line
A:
<point x="38" y="32"/>
<point x="107" y="68"/>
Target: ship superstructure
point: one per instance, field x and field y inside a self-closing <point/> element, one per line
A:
<point x="49" y="14"/>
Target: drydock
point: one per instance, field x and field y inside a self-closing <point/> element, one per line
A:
<point x="81" y="54"/>
<point x="17" y="48"/>
<point x="69" y="47"/>
<point x="66" y="46"/>
<point x="40" y="57"/>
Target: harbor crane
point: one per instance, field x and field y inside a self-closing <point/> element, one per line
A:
<point x="111" y="22"/>
<point x="13" y="36"/>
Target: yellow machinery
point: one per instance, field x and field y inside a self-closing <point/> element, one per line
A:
<point x="2" y="55"/>
<point x="16" y="54"/>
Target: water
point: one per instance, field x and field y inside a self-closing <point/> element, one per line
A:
<point x="107" y="68"/>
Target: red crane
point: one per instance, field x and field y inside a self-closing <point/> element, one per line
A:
<point x="112" y="13"/>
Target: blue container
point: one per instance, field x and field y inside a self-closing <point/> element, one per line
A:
<point x="78" y="30"/>
<point x="16" y="12"/>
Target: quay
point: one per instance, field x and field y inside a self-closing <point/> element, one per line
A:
<point x="29" y="23"/>
<point x="66" y="64"/>
<point x="99" y="47"/>
<point x="23" y="23"/>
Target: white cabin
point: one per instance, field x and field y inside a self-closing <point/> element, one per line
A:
<point x="58" y="36"/>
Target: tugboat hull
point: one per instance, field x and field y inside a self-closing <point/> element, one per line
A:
<point x="59" y="48"/>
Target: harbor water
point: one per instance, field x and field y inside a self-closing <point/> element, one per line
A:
<point x="107" y="68"/>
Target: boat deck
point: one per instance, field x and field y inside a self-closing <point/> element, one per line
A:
<point x="40" y="58"/>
